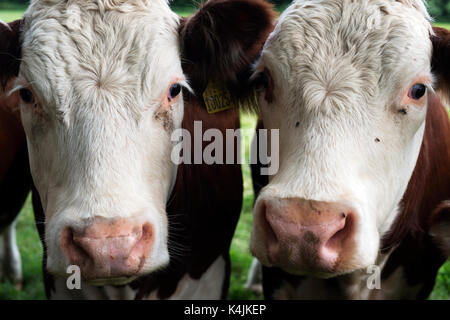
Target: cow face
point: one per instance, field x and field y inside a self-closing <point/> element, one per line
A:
<point x="100" y="95"/>
<point x="100" y="85"/>
<point x="347" y="85"/>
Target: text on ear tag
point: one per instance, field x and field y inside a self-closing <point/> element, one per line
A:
<point x="218" y="98"/>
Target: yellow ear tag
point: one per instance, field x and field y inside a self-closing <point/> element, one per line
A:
<point x="218" y="98"/>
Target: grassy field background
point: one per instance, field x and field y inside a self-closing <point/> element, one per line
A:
<point x="31" y="249"/>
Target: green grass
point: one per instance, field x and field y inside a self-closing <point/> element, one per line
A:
<point x="31" y="252"/>
<point x="443" y="25"/>
<point x="31" y="249"/>
<point x="441" y="289"/>
<point x="10" y="15"/>
<point x="240" y="253"/>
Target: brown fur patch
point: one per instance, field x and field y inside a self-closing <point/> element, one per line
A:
<point x="10" y="51"/>
<point x="222" y="39"/>
<point x="12" y="137"/>
<point x="441" y="60"/>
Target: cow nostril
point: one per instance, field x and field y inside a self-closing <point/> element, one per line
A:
<point x="142" y="245"/>
<point x="73" y="248"/>
<point x="336" y="241"/>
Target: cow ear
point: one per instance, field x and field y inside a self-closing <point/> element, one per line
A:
<point x="223" y="38"/>
<point x="440" y="63"/>
<point x="440" y="227"/>
<point x="9" y="51"/>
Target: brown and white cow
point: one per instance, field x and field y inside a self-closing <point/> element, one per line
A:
<point x="15" y="176"/>
<point x="364" y="151"/>
<point x="101" y="94"/>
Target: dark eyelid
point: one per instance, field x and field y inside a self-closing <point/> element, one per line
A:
<point x="262" y="80"/>
<point x="269" y="96"/>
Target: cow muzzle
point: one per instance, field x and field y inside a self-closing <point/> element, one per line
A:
<point x="303" y="236"/>
<point x="108" y="249"/>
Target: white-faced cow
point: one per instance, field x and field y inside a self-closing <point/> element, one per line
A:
<point x="364" y="151"/>
<point x="15" y="179"/>
<point x="101" y="84"/>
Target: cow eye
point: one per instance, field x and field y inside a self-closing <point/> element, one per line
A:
<point x="174" y="90"/>
<point x="26" y="95"/>
<point x="262" y="80"/>
<point x="265" y="81"/>
<point x="417" y="91"/>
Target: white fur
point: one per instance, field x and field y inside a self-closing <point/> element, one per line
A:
<point x="340" y="68"/>
<point x="208" y="287"/>
<point x="10" y="261"/>
<point x="254" y="278"/>
<point x="100" y="70"/>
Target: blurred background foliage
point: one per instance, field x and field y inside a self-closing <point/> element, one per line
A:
<point x="439" y="9"/>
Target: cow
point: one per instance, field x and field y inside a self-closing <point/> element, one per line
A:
<point x="104" y="86"/>
<point x="15" y="178"/>
<point x="357" y="209"/>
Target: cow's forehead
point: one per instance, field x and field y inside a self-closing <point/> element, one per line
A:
<point x="98" y="48"/>
<point x="364" y="40"/>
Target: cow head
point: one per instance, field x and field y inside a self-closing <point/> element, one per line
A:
<point x="101" y="86"/>
<point x="347" y="84"/>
